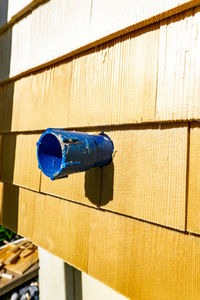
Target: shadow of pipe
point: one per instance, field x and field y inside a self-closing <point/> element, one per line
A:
<point x="99" y="184"/>
<point x="93" y="185"/>
<point x="107" y="184"/>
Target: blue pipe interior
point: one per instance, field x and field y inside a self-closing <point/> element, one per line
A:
<point x="50" y="154"/>
<point x="61" y="153"/>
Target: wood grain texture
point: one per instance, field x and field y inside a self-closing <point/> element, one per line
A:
<point x="193" y="211"/>
<point x="59" y="26"/>
<point x="179" y="67"/>
<point x="143" y="261"/>
<point x="112" y="84"/>
<point x="48" y="95"/>
<point x="14" y="7"/>
<point x="147" y="179"/>
<point x="23" y="264"/>
<point x="121" y="14"/>
<point x="19" y="161"/>
<point x="140" y="260"/>
<point x="63" y="227"/>
<point x="81" y="187"/>
<point x="9" y="206"/>
<point x="10" y="10"/>
<point x="116" y="83"/>
<point x="73" y="25"/>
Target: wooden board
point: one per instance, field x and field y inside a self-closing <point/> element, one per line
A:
<point x="19" y="161"/>
<point x="149" y="75"/>
<point x="9" y="206"/>
<point x="151" y="180"/>
<point x="143" y="261"/>
<point x="6" y="286"/>
<point x="23" y="264"/>
<point x="81" y="187"/>
<point x="65" y="227"/>
<point x="116" y="90"/>
<point x="140" y="260"/>
<point x="193" y="211"/>
<point x="121" y="14"/>
<point x="179" y="67"/>
<point x="4" y="253"/>
<point x="121" y="81"/>
<point x="147" y="179"/>
<point x="10" y="10"/>
<point x="49" y="99"/>
<point x="8" y="157"/>
<point x="115" y="83"/>
<point x="15" y="7"/>
<point x="6" y="106"/>
<point x="60" y="25"/>
<point x="81" y="24"/>
<point x="1" y="201"/>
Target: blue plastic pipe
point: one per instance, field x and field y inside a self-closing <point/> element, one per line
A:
<point x="61" y="152"/>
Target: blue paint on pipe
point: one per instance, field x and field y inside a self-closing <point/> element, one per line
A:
<point x="61" y="152"/>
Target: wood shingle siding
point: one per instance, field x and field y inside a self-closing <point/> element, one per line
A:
<point x="130" y="69"/>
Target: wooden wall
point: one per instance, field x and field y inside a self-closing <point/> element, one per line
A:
<point x="133" y="224"/>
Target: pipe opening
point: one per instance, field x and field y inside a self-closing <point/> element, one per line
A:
<point x="50" y="154"/>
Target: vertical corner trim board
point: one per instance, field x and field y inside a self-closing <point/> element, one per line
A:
<point x="138" y="259"/>
<point x="193" y="209"/>
<point x="48" y="94"/>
